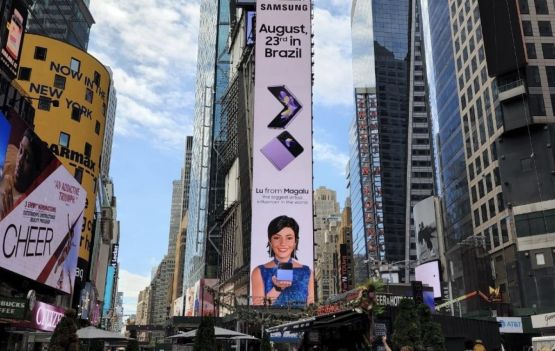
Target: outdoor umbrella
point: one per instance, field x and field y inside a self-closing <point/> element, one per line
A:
<point x="220" y="333"/>
<point x="95" y="333"/>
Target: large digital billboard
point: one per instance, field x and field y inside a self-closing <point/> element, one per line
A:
<point x="429" y="274"/>
<point x="282" y="228"/>
<point x="427" y="244"/>
<point x="74" y="130"/>
<point x="41" y="209"/>
<point x="12" y="29"/>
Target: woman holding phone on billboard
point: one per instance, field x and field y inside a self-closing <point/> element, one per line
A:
<point x="283" y="281"/>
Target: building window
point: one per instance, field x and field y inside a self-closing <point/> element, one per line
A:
<point x="476" y="218"/>
<point x="527" y="28"/>
<point x="531" y="50"/>
<point x="541" y="7"/>
<point x="24" y="73"/>
<point x="75" y="65"/>
<point x="88" y="150"/>
<point x="545" y="28"/>
<point x="59" y="81"/>
<point x="523" y="6"/>
<point x="89" y="95"/>
<point x="76" y="114"/>
<point x="484" y="213"/>
<point x="97" y="128"/>
<point x="500" y="202"/>
<point x="540" y="259"/>
<point x="550" y="73"/>
<point x="548" y="50"/>
<point x="64" y="139"/>
<point x="40" y="53"/>
<point x="533" y="76"/>
<point x="79" y="174"/>
<point x="44" y="103"/>
<point x="537" y="107"/>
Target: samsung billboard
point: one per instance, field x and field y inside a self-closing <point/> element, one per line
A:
<point x="41" y="209"/>
<point x="282" y="228"/>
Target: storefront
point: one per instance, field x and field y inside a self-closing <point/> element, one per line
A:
<point x="28" y="330"/>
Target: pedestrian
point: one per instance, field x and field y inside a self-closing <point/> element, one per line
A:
<point x="479" y="346"/>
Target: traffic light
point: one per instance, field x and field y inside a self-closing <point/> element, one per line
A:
<point x="417" y="293"/>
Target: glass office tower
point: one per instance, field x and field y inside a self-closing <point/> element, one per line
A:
<point x="394" y="159"/>
<point x="201" y="252"/>
<point x="66" y="20"/>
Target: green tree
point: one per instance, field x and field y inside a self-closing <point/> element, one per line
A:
<point x="132" y="344"/>
<point x="406" y="327"/>
<point x="205" y="340"/>
<point x="265" y="343"/>
<point x="64" y="337"/>
<point x="432" y="336"/>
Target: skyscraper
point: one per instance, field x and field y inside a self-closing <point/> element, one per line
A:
<point x="206" y="193"/>
<point x="66" y="20"/>
<point x="462" y="274"/>
<point x="326" y="223"/>
<point x="391" y="164"/>
<point x="504" y="70"/>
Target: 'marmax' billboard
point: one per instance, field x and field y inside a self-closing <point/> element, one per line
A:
<point x="41" y="209"/>
<point x="282" y="229"/>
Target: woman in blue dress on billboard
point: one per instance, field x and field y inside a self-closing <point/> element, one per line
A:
<point x="283" y="281"/>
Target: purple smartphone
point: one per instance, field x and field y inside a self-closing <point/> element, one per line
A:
<point x="282" y="150"/>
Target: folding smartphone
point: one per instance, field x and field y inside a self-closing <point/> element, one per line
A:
<point x="282" y="150"/>
<point x="291" y="106"/>
<point x="285" y="272"/>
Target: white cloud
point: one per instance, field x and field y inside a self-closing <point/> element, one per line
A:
<point x="151" y="46"/>
<point x="131" y="283"/>
<point x="331" y="155"/>
<point x="333" y="82"/>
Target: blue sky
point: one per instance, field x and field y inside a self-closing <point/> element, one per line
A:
<point x="151" y="46"/>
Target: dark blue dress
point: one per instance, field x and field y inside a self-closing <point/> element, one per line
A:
<point x="294" y="295"/>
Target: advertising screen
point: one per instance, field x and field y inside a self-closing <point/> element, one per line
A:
<point x="427" y="245"/>
<point x="13" y="24"/>
<point x="282" y="229"/>
<point x="428" y="274"/>
<point x="41" y="209"/>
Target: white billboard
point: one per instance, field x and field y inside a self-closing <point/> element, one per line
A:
<point x="41" y="209"/>
<point x="282" y="230"/>
<point x="428" y="274"/>
<point x="427" y="245"/>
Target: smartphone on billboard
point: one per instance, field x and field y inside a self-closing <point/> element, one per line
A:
<point x="291" y="106"/>
<point x="285" y="271"/>
<point x="282" y="150"/>
<point x="15" y="33"/>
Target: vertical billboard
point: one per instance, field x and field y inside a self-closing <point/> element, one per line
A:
<point x="427" y="245"/>
<point x="12" y="29"/>
<point x="41" y="209"/>
<point x="282" y="228"/>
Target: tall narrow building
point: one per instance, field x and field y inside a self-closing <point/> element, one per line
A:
<point x="202" y="250"/>
<point x="391" y="165"/>
<point x="326" y="223"/>
<point x="466" y="262"/>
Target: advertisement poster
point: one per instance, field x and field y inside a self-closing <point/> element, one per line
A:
<point x="13" y="24"/>
<point x="427" y="246"/>
<point x="41" y="209"/>
<point x="204" y="298"/>
<point x="282" y="229"/>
